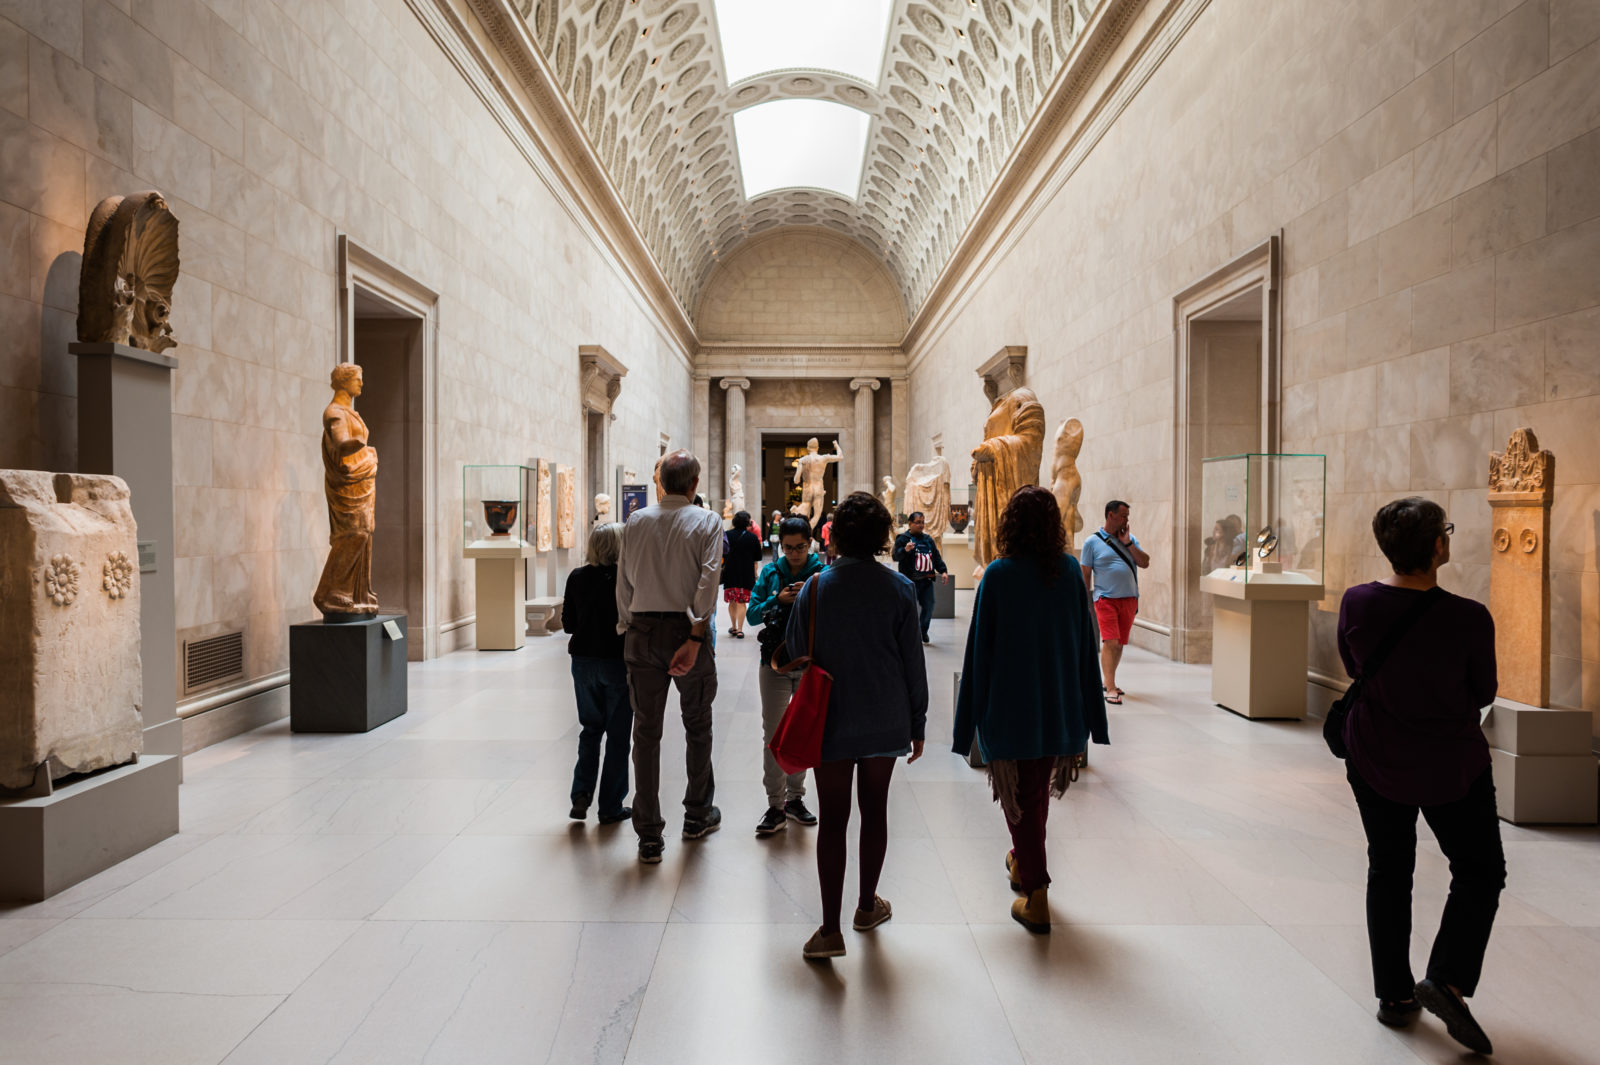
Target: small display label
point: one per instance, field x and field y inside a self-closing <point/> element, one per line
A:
<point x="393" y="629"/>
<point x="1233" y="491"/>
<point x="147" y="556"/>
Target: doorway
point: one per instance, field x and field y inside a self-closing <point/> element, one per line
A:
<point x="778" y="454"/>
<point x="1227" y="384"/>
<point x="388" y="325"/>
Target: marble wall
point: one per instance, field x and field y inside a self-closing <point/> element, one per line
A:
<point x="1432" y="169"/>
<point x="273" y="126"/>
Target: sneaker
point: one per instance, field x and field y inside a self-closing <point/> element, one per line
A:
<point x="772" y="822"/>
<point x="821" y="946"/>
<point x="1446" y="1005"/>
<point x="650" y="850"/>
<point x="698" y="828"/>
<point x="621" y="815"/>
<point x="795" y="810"/>
<point x="580" y="807"/>
<point x="866" y="920"/>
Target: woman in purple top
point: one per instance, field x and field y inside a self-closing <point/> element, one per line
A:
<point x="1415" y="744"/>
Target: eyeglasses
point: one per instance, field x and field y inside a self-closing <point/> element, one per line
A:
<point x="1449" y="528"/>
<point x="795" y="549"/>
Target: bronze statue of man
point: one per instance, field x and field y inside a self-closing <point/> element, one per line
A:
<point x="350" y="466"/>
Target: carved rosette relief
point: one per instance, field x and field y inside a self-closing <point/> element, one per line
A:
<point x="117" y="575"/>
<point x="1502" y="539"/>
<point x="61" y="580"/>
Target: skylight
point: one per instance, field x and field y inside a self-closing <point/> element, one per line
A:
<point x="805" y="143"/>
<point x="848" y="36"/>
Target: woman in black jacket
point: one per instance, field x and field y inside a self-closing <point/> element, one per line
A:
<point x="599" y="679"/>
<point x="741" y="555"/>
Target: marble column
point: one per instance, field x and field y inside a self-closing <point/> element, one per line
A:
<point x="700" y="442"/>
<point x="732" y="432"/>
<point x="866" y="433"/>
<point x="899" y="425"/>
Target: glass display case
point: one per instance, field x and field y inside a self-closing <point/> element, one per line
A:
<point x="498" y="504"/>
<point x="1261" y="524"/>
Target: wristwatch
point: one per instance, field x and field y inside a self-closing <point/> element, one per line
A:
<point x="696" y="639"/>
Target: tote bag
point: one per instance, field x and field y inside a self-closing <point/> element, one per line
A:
<point x="797" y="742"/>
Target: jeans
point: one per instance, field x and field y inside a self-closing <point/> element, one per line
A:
<point x="1027" y="835"/>
<point x="1468" y="831"/>
<point x="601" y="685"/>
<point x="776" y="691"/>
<point x="925" y="596"/>
<point x="648" y="649"/>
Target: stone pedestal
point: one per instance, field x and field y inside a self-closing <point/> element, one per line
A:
<point x="1258" y="657"/>
<point x="125" y="429"/>
<point x="500" y="580"/>
<point x="347" y="676"/>
<point x="51" y="842"/>
<point x="957" y="552"/>
<point x="944" y="597"/>
<point x="544" y="615"/>
<point x="1544" y="772"/>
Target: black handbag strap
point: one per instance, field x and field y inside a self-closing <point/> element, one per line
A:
<point x="1402" y="625"/>
<point x="1122" y="555"/>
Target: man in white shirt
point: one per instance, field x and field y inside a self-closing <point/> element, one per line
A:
<point x="667" y="585"/>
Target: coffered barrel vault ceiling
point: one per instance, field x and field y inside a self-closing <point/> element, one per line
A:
<point x="960" y="82"/>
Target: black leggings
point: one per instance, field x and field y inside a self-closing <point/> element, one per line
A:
<point x="833" y="813"/>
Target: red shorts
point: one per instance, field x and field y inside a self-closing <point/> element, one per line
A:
<point x="735" y="595"/>
<point x="1116" y="618"/>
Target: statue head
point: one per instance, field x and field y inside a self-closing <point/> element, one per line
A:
<point x="346" y="377"/>
<point x="811" y="445"/>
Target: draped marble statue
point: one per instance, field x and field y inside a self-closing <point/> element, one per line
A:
<point x="602" y="508"/>
<point x="736" y="488"/>
<point x="350" y="480"/>
<point x="887" y="495"/>
<point x="1066" y="484"/>
<point x="1008" y="458"/>
<point x="927" y="489"/>
<point x="810" y="470"/>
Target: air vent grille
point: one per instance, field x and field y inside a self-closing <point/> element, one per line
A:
<point x="213" y="659"/>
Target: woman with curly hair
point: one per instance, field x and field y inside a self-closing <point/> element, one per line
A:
<point x="1030" y="685"/>
<point x="870" y="640"/>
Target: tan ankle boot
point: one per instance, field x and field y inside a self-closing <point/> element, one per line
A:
<point x="1033" y="911"/>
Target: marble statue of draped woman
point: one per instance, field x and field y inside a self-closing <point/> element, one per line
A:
<point x="350" y="467"/>
<point x="1008" y="458"/>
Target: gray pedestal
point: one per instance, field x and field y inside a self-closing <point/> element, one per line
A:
<point x="346" y="676"/>
<point x="125" y="429"/>
<point x="944" y="599"/>
<point x="86" y="826"/>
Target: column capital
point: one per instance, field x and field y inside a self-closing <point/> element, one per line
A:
<point x="858" y="383"/>
<point x="741" y="383"/>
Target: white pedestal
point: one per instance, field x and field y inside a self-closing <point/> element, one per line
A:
<point x="544" y="615"/>
<point x="1258" y="655"/>
<point x="1544" y="772"/>
<point x="502" y="570"/>
<point x="957" y="552"/>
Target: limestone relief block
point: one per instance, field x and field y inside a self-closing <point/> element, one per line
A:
<point x="542" y="513"/>
<point x="1521" y="487"/>
<point x="70" y="674"/>
<point x="565" y="517"/>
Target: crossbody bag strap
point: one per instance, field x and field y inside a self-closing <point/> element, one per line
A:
<point x="1396" y="631"/>
<point x="1126" y="561"/>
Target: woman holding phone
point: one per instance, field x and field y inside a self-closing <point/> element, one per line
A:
<point x="770" y="603"/>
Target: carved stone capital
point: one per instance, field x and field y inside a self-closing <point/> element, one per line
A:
<point x="741" y="383"/>
<point x="858" y="383"/>
<point x="600" y="377"/>
<point x="1004" y="371"/>
<point x="1522" y="469"/>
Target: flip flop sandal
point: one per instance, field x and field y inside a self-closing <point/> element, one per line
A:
<point x="1114" y="700"/>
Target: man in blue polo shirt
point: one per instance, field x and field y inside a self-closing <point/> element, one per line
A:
<point x="1111" y="561"/>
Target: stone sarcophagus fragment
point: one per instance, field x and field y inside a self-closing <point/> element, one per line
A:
<point x="70" y="681"/>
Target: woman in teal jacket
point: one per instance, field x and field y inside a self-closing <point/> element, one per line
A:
<point x="1030" y="686"/>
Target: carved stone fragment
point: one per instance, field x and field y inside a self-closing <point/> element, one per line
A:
<point x="1066" y="483"/>
<point x="130" y="265"/>
<point x="1522" y="482"/>
<point x="70" y="675"/>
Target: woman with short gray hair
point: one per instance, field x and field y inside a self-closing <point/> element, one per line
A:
<point x="599" y="679"/>
<point x="1426" y="663"/>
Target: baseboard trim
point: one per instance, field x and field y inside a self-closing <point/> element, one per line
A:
<point x="224" y="721"/>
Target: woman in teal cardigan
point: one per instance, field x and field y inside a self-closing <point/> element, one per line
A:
<point x="1030" y="686"/>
